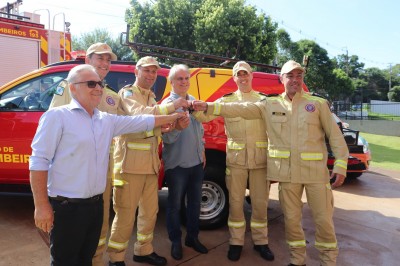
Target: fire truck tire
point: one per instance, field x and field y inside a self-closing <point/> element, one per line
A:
<point x="214" y="202"/>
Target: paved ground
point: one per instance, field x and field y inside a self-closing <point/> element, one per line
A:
<point x="367" y="221"/>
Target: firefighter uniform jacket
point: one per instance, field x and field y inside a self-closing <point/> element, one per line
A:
<point x="137" y="153"/>
<point x="296" y="130"/>
<point x="246" y="146"/>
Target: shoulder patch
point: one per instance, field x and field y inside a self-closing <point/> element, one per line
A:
<point x="61" y="88"/>
<point x="127" y="93"/>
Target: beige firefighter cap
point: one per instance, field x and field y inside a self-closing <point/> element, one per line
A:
<point x="101" y="48"/>
<point x="147" y="61"/>
<point x="241" y="65"/>
<point x="289" y="66"/>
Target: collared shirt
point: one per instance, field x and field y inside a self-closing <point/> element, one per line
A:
<point x="183" y="148"/>
<point x="74" y="148"/>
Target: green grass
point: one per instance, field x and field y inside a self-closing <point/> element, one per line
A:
<point x="385" y="150"/>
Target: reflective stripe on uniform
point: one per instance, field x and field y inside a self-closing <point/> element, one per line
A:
<point x="341" y="163"/>
<point x="279" y="154"/>
<point x="261" y="144"/>
<point x="139" y="146"/>
<point x="227" y="171"/>
<point x="311" y="156"/>
<point x="299" y="243"/>
<point x="163" y="109"/>
<point x="217" y="109"/>
<point x="149" y="133"/>
<point x="236" y="224"/>
<point x="326" y="245"/>
<point x="117" y="167"/>
<point x="258" y="225"/>
<point x="117" y="245"/>
<point x="119" y="182"/>
<point x="142" y="237"/>
<point x="102" y="241"/>
<point x="232" y="145"/>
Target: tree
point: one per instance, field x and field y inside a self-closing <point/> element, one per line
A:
<point x="319" y="77"/>
<point x="350" y="65"/>
<point x="394" y="94"/>
<point x="343" y="85"/>
<point x="377" y="85"/>
<point x="229" y="28"/>
<point x="102" y="35"/>
<point x="224" y="28"/>
<point x="164" y="23"/>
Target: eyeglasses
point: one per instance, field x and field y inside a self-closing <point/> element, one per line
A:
<point x="92" y="84"/>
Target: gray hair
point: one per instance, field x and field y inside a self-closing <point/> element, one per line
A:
<point x="77" y="70"/>
<point x="175" y="68"/>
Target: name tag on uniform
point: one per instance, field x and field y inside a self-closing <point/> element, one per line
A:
<point x="278" y="113"/>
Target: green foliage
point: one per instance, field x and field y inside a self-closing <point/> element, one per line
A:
<point x="229" y="28"/>
<point x="319" y="77"/>
<point x="377" y="85"/>
<point x="343" y="85"/>
<point x="350" y="65"/>
<point x="394" y="94"/>
<point x="224" y="28"/>
<point x="101" y="35"/>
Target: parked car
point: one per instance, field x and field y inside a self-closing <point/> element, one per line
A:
<point x="360" y="154"/>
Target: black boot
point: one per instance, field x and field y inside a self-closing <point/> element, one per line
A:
<point x="196" y="245"/>
<point x="234" y="252"/>
<point x="265" y="252"/>
<point x="152" y="259"/>
<point x="176" y="250"/>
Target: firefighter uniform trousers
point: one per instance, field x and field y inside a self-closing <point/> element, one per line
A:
<point x="320" y="201"/>
<point x="246" y="160"/>
<point x="137" y="191"/>
<point x="236" y="182"/>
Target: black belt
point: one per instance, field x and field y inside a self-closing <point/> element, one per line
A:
<point x="78" y="200"/>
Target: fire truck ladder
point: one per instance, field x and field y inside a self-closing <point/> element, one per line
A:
<point x="190" y="58"/>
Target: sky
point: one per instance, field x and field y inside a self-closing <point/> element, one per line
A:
<point x="368" y="29"/>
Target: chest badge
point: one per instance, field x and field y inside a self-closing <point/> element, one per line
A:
<point x="310" y="107"/>
<point x="110" y="101"/>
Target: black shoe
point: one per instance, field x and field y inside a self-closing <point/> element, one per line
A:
<point x="196" y="245"/>
<point x="152" y="259"/>
<point x="234" y="252"/>
<point x="176" y="251"/>
<point x="117" y="263"/>
<point x="264" y="251"/>
<point x="291" y="264"/>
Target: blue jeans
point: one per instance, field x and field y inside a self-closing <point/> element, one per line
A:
<point x="181" y="182"/>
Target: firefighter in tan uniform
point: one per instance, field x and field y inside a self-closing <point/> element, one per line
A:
<point x="136" y="170"/>
<point x="98" y="55"/>
<point x="297" y="125"/>
<point x="246" y="160"/>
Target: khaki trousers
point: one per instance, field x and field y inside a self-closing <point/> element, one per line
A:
<point x="137" y="190"/>
<point x="320" y="201"/>
<point x="236" y="182"/>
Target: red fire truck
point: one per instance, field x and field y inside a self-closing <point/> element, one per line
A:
<point x="26" y="45"/>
